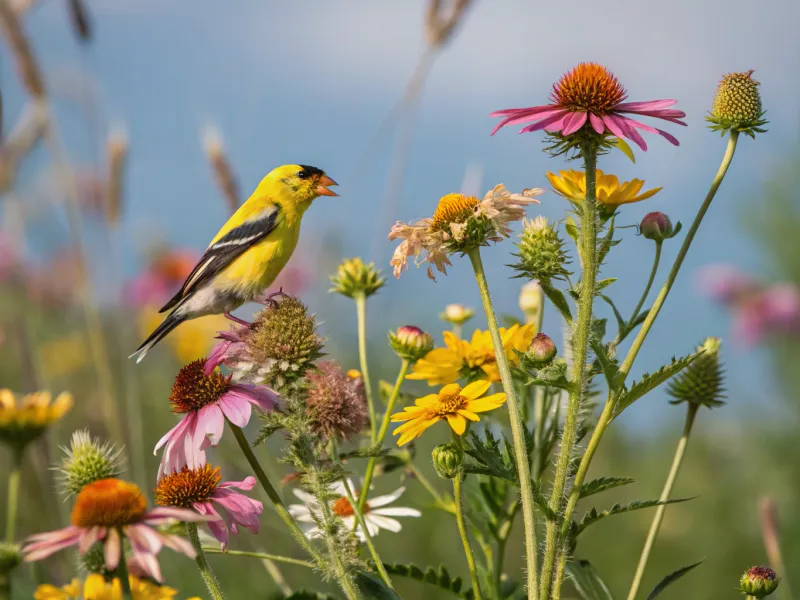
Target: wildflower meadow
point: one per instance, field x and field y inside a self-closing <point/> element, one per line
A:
<point x="470" y="389"/>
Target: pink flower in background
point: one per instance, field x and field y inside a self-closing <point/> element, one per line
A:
<point x="162" y="277"/>
<point x="758" y="310"/>
<point x="591" y="94"/>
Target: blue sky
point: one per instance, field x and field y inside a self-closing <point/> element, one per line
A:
<point x="311" y="81"/>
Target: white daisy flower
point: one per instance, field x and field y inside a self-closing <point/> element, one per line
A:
<point x="377" y="513"/>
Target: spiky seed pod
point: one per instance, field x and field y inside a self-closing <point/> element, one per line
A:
<point x="10" y="557"/>
<point x="447" y="461"/>
<point x="759" y="582"/>
<point x="737" y="105"/>
<point x="335" y="403"/>
<point x="541" y="251"/>
<point x="85" y="461"/>
<point x="283" y="342"/>
<point x="410" y="342"/>
<point x="703" y="381"/>
<point x="354" y="278"/>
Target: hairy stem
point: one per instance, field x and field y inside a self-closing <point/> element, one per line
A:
<point x="362" y="499"/>
<point x="122" y="570"/>
<point x="14" y="477"/>
<point x="608" y="411"/>
<point x="272" y="493"/>
<point x="580" y="346"/>
<point x="517" y="427"/>
<point x="202" y="564"/>
<point x="261" y="555"/>
<point x="680" y="451"/>
<point x="343" y="577"/>
<point x="462" y="530"/>
<point x="361" y="314"/>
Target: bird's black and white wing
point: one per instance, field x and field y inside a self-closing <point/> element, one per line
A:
<point x="225" y="250"/>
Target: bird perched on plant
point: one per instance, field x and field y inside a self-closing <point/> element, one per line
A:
<point x="250" y="250"/>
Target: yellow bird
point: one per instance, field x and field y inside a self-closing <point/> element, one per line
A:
<point x="250" y="250"/>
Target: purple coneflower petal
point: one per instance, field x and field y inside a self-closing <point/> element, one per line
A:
<point x="143" y="539"/>
<point x="112" y="549"/>
<point x="218" y="527"/>
<point x="573" y="122"/>
<point x="554" y="118"/>
<point x="647" y="105"/>
<point x="621" y="125"/>
<point x="236" y="408"/>
<point x="524" y="118"/>
<point x="669" y="137"/>
<point x="51" y="542"/>
<point x="210" y="426"/>
<point x="142" y="564"/>
<point x="530" y="110"/>
<point x="263" y="397"/>
<point x="597" y="123"/>
<point x="163" y="514"/>
<point x="89" y="537"/>
<point x="247" y="484"/>
<point x="217" y="356"/>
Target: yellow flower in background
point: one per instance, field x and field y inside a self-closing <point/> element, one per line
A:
<point x="192" y="339"/>
<point x="474" y="359"/>
<point x="51" y="592"/>
<point x="23" y="420"/>
<point x="97" y="588"/>
<point x="610" y="192"/>
<point x="64" y="355"/>
<point x="454" y="403"/>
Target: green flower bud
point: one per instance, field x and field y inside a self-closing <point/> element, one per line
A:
<point x="702" y="382"/>
<point x="354" y="278"/>
<point x="657" y="226"/>
<point x="541" y="251"/>
<point x="93" y="561"/>
<point x="759" y="582"/>
<point x="410" y="342"/>
<point x="542" y="350"/>
<point x="10" y="557"/>
<point x="87" y="460"/>
<point x="456" y="314"/>
<point x="737" y="105"/>
<point x="447" y="461"/>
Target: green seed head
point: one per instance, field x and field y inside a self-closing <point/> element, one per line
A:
<point x="703" y="381"/>
<point x="85" y="461"/>
<point x="354" y="278"/>
<point x="541" y="251"/>
<point x="737" y="105"/>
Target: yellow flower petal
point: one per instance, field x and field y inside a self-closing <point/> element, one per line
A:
<point x="450" y="389"/>
<point x="458" y="423"/>
<point x="468" y="415"/>
<point x="487" y="403"/>
<point x="61" y="406"/>
<point x="426" y="401"/>
<point x="476" y="389"/>
<point x="412" y="433"/>
<point x="7" y="401"/>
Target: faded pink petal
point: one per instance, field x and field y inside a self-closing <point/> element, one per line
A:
<point x="90" y="537"/>
<point x="142" y="564"/>
<point x="44" y="544"/>
<point x="208" y="429"/>
<point x="218" y="527"/>
<point x="263" y="397"/>
<point x="143" y="539"/>
<point x="179" y="544"/>
<point x="112" y="549"/>
<point x="647" y="105"/>
<point x="217" y="356"/>
<point x="247" y="484"/>
<point x="236" y="409"/>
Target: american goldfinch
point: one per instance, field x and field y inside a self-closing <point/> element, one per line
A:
<point x="250" y="250"/>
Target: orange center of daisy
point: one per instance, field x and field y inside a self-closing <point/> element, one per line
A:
<point x="453" y="208"/>
<point x="108" y="503"/>
<point x="187" y="486"/>
<point x="448" y="404"/>
<point x="589" y="87"/>
<point x="343" y="508"/>
<point x="193" y="389"/>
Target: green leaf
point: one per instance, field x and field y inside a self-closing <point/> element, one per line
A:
<point x="372" y="588"/>
<point x="558" y="299"/>
<point x="587" y="581"/>
<point x="604" y="283"/>
<point x="609" y="366"/>
<point x="488" y="458"/>
<point x="593" y="516"/>
<point x="649" y="382"/>
<point x="623" y="147"/>
<point x="439" y="577"/>
<point x="572" y="230"/>
<point x="595" y="486"/>
<point x="671" y="578"/>
<point x="621" y="324"/>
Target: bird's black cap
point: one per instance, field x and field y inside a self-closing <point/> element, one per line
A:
<point x="308" y="171"/>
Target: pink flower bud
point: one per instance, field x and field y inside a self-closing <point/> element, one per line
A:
<point x="656" y="226"/>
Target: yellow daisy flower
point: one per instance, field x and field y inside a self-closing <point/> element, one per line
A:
<point x="23" y="421"/>
<point x="97" y="588"/>
<point x="454" y="403"/>
<point x="610" y="192"/>
<point x="51" y="592"/>
<point x="474" y="359"/>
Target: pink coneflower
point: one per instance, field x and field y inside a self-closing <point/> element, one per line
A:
<point x="206" y="400"/>
<point x="591" y="93"/>
<point x="105" y="511"/>
<point x="201" y="490"/>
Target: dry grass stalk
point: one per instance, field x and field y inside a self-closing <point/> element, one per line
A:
<point x="772" y="542"/>
<point x="20" y="142"/>
<point x="440" y="22"/>
<point x="223" y="174"/>
<point x="116" y="157"/>
<point x="21" y="49"/>
<point x="81" y="23"/>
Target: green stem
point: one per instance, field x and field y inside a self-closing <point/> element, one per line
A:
<point x="361" y="314"/>
<point x="441" y="502"/>
<point x="274" y="498"/>
<point x="649" y="285"/>
<point x="367" y="537"/>
<point x="122" y="570"/>
<point x="343" y="576"/>
<point x="608" y="411"/>
<point x="580" y="344"/>
<point x="462" y="530"/>
<point x="680" y="451"/>
<point x="362" y="499"/>
<point x="205" y="569"/>
<point x="517" y="427"/>
<point x="263" y="556"/>
<point x="13" y="495"/>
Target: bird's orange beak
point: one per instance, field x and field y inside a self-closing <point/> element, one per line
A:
<point x="322" y="186"/>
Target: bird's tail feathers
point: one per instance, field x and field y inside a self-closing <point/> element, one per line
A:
<point x="168" y="324"/>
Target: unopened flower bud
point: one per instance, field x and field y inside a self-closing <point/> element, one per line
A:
<point x="87" y="460"/>
<point x="354" y="278"/>
<point x="531" y="300"/>
<point x="542" y="349"/>
<point x="447" y="461"/>
<point x="94" y="560"/>
<point x="10" y="557"/>
<point x="656" y="226"/>
<point x="541" y="251"/>
<point x="410" y="342"/>
<point x="702" y="382"/>
<point x="759" y="582"/>
<point x="737" y="105"/>
<point x="456" y="314"/>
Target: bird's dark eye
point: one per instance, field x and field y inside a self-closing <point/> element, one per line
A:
<point x="303" y="174"/>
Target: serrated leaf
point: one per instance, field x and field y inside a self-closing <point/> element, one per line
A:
<point x="593" y="516"/>
<point x="439" y="577"/>
<point x="558" y="300"/>
<point x="672" y="578"/>
<point x="587" y="581"/>
<point x="488" y="458"/>
<point x="373" y="588"/>
<point x="609" y="366"/>
<point x="649" y="382"/>
<point x="595" y="486"/>
<point x="623" y="147"/>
